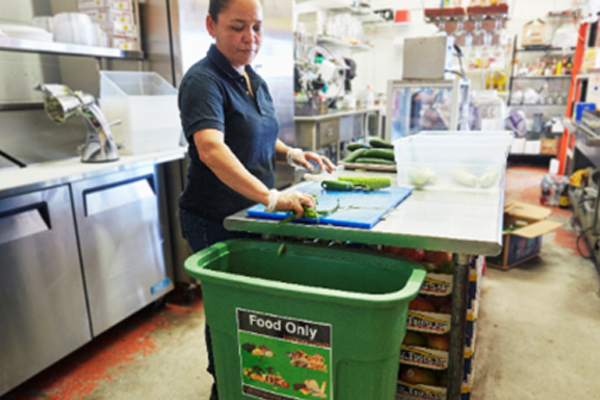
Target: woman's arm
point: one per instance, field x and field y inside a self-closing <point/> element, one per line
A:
<point x="217" y="156"/>
<point x="301" y="158"/>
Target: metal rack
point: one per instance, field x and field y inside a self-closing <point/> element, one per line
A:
<point x="66" y="49"/>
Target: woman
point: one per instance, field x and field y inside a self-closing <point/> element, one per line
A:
<point x="229" y="121"/>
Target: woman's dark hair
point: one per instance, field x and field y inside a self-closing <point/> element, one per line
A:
<point x="216" y="7"/>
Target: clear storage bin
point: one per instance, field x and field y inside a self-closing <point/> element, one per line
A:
<point x="147" y="106"/>
<point x="452" y="160"/>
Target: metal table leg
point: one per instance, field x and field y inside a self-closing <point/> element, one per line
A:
<point x="460" y="292"/>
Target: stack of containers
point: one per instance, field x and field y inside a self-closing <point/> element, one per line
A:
<point x="426" y="364"/>
<point x="424" y="353"/>
<point x="116" y="20"/>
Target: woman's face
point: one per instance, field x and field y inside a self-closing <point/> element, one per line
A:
<point x="238" y="32"/>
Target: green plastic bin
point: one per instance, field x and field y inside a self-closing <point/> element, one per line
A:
<point x="304" y="322"/>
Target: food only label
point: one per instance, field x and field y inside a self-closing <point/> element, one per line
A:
<point x="284" y="358"/>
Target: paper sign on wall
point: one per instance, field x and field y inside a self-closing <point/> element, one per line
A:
<point x="284" y="358"/>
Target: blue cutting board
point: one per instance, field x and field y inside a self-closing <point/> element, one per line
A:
<point x="368" y="207"/>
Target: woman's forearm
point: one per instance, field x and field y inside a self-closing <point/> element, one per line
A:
<point x="281" y="150"/>
<point x="227" y="167"/>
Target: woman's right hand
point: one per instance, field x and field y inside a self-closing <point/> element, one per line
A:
<point x="293" y="200"/>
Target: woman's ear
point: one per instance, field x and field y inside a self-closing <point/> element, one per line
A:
<point x="210" y="25"/>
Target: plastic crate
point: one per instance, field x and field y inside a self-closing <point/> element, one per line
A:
<point x="316" y="317"/>
<point x="147" y="106"/>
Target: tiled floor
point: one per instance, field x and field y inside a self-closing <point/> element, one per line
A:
<point x="537" y="335"/>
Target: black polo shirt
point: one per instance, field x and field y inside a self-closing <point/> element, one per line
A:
<point x="214" y="95"/>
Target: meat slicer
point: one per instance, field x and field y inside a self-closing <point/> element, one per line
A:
<point x="62" y="103"/>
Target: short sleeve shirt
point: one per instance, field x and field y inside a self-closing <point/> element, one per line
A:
<point x="213" y="95"/>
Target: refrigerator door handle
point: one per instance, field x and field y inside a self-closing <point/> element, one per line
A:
<point x="21" y="223"/>
<point x="105" y="198"/>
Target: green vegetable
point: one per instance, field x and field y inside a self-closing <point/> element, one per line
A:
<point x="337" y="185"/>
<point x="310" y="212"/>
<point x="354" y="155"/>
<point x="380" y="143"/>
<point x="270" y="370"/>
<point x="356" y="146"/>
<point x="370" y="160"/>
<point x="388" y="154"/>
<point x="281" y="250"/>
<point x="372" y="182"/>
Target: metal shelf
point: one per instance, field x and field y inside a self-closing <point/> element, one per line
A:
<point x="543" y="77"/>
<point x="537" y="105"/>
<point x="66" y="49"/>
<point x="342" y="43"/>
<point x="546" y="49"/>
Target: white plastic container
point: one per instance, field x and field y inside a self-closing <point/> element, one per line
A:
<point x="147" y="106"/>
<point x="452" y="160"/>
<point x="75" y="28"/>
<point x="492" y="110"/>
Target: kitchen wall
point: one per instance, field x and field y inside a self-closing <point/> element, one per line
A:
<point x="384" y="62"/>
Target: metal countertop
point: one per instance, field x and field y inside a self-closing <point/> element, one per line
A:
<point x="40" y="176"/>
<point x="337" y="114"/>
<point x="464" y="222"/>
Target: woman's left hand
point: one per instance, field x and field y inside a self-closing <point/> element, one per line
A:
<point x="303" y="158"/>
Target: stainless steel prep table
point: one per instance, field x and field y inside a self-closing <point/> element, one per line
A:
<point x="317" y="131"/>
<point x="467" y="223"/>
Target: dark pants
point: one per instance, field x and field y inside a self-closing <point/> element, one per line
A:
<point x="201" y="234"/>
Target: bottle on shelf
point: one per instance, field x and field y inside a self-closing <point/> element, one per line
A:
<point x="370" y="97"/>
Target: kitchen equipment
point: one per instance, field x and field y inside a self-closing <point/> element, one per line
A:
<point x="42" y="300"/>
<point x="121" y="245"/>
<point x="147" y="105"/>
<point x="26" y="32"/>
<point x="75" y="28"/>
<point x="62" y="103"/>
<point x="415" y="106"/>
<point x="356" y="209"/>
<point x="427" y="57"/>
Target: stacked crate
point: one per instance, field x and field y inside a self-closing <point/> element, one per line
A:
<point x="433" y="363"/>
<point x="116" y="19"/>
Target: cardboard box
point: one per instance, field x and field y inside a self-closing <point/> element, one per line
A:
<point x="117" y="5"/>
<point x="110" y="15"/>
<point x="525" y="242"/>
<point x="534" y="33"/>
<point x="437" y="284"/>
<point x="407" y="390"/>
<point x="517" y="146"/>
<point x="428" y="322"/>
<point x="123" y="43"/>
<point x="424" y="357"/>
<point x="116" y="29"/>
<point x="532" y="147"/>
<point x="549" y="146"/>
<point x="591" y="58"/>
